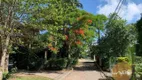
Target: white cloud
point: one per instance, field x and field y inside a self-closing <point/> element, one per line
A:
<point x="130" y="12"/>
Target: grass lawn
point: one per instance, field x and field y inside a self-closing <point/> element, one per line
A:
<point x="29" y="77"/>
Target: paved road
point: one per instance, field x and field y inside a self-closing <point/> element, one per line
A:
<point x="85" y="70"/>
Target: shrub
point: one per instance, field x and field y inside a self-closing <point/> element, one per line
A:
<point x="35" y="64"/>
<point x="14" y="70"/>
<point x="5" y="76"/>
<point x="28" y="61"/>
<point x="138" y="66"/>
<point x="61" y="63"/>
<point x="105" y="63"/>
<point x="75" y="61"/>
<point x="122" y="59"/>
<point x="56" y="64"/>
<point x="71" y="62"/>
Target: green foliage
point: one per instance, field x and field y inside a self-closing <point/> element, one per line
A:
<point x="56" y="63"/>
<point x="61" y="15"/>
<point x="116" y="39"/>
<point x="139" y="37"/>
<point x="138" y="65"/>
<point x="114" y="43"/>
<point x="14" y="70"/>
<point x="122" y="59"/>
<point x="35" y="64"/>
<point x="72" y="62"/>
<point x="12" y="22"/>
<point x="33" y="18"/>
<point x="68" y="28"/>
<point x="28" y="77"/>
<point x="60" y="63"/>
<point x="29" y="61"/>
<point x="138" y="49"/>
<point x="86" y="22"/>
<point x="6" y="75"/>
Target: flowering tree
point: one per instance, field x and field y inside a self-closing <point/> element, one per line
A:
<point x="79" y="34"/>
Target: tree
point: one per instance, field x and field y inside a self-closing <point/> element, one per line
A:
<point x="58" y="18"/>
<point x="14" y="14"/>
<point x="61" y="15"/>
<point x="99" y="22"/>
<point x="139" y="37"/>
<point x="116" y="40"/>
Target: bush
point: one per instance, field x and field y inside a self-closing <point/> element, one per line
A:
<point x="138" y="66"/>
<point x="59" y="64"/>
<point x="28" y="61"/>
<point x="122" y="59"/>
<point x="14" y="70"/>
<point x="5" y="76"/>
<point x="35" y="64"/>
<point x="105" y="63"/>
<point x="73" y="61"/>
<point x="56" y="64"/>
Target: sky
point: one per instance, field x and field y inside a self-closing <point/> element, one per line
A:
<point x="129" y="11"/>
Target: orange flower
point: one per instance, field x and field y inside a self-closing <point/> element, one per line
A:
<point x="76" y="31"/>
<point x="89" y="21"/>
<point x="53" y="49"/>
<point x="78" y="42"/>
<point x="66" y="37"/>
<point x="81" y="31"/>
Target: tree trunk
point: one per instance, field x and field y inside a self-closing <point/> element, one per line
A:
<point x="1" y="75"/>
<point x="45" y="55"/>
<point x="6" y="63"/>
<point x="4" y="54"/>
<point x="68" y="66"/>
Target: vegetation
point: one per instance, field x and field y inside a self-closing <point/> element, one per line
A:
<point x="138" y="60"/>
<point x="54" y="34"/>
<point x="115" y="43"/>
<point x="139" y="38"/>
<point x="28" y="78"/>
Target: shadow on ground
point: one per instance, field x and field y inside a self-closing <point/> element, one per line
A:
<point x="90" y="66"/>
<point x="86" y="66"/>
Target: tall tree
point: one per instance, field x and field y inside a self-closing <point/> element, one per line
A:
<point x="139" y="37"/>
<point x="115" y="42"/>
<point x="14" y="14"/>
<point x="116" y="37"/>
